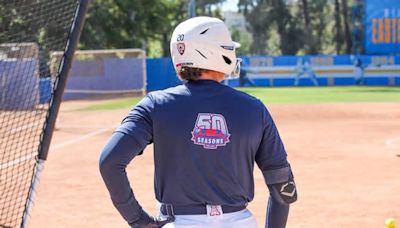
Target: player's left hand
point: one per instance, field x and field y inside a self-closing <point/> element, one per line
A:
<point x="147" y="221"/>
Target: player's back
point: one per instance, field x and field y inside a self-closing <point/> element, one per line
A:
<point x="205" y="139"/>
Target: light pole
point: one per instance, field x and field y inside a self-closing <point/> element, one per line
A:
<point x="192" y="8"/>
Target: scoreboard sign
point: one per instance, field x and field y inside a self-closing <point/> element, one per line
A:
<point x="382" y="27"/>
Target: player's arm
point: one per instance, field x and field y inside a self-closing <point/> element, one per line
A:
<point x="283" y="192"/>
<point x="272" y="160"/>
<point x="130" y="138"/>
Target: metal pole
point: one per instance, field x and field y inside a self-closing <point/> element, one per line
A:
<point x="32" y="192"/>
<point x="55" y="102"/>
<point x="192" y="8"/>
<point x="61" y="80"/>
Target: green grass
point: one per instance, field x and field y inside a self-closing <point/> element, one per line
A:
<point x="325" y="94"/>
<point x="291" y="95"/>
<point x="123" y="103"/>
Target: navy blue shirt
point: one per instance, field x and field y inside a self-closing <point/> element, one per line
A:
<point x="206" y="138"/>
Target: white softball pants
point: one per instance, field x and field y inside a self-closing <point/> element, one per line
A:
<point x="239" y="219"/>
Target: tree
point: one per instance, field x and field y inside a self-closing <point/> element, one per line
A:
<point x="286" y="26"/>
<point x="266" y="16"/>
<point x="338" y="26"/>
<point x="320" y="15"/>
<point x="259" y="27"/>
<point x="174" y="12"/>
<point x="137" y="23"/>
<point x="302" y="26"/>
<point x="205" y="8"/>
<point x="346" y="26"/>
<point x="35" y="26"/>
<point x="131" y="23"/>
<point x="308" y="36"/>
<point x="245" y="6"/>
<point x="245" y="40"/>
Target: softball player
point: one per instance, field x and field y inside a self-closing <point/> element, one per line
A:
<point x="206" y="136"/>
<point x="304" y="68"/>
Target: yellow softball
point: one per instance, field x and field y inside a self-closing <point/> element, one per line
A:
<point x="390" y="223"/>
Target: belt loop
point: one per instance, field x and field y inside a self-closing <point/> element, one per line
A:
<point x="169" y="209"/>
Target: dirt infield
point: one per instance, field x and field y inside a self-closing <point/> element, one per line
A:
<point x="344" y="157"/>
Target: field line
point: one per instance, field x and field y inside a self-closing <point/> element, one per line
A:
<point x="55" y="147"/>
<point x="17" y="161"/>
<point x="78" y="139"/>
<point x="72" y="126"/>
<point x="24" y="127"/>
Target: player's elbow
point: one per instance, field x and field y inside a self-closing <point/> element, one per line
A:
<point x="281" y="184"/>
<point x="115" y="155"/>
<point x="283" y="193"/>
<point x="105" y="162"/>
<point x="284" y="201"/>
<point x="109" y="162"/>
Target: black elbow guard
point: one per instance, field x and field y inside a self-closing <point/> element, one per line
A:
<point x="284" y="193"/>
<point x="281" y="185"/>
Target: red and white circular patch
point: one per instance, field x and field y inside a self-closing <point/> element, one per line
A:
<point x="181" y="48"/>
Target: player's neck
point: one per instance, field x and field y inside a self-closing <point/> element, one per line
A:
<point x="212" y="75"/>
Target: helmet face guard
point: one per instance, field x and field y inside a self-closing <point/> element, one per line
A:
<point x="236" y="72"/>
<point x="205" y="43"/>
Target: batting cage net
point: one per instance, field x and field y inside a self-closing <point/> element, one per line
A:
<point x="30" y="30"/>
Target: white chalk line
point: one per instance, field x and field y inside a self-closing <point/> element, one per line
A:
<point x="56" y="146"/>
<point x="16" y="161"/>
<point x="78" y="139"/>
<point x="71" y="126"/>
<point x="24" y="127"/>
<point x="393" y="142"/>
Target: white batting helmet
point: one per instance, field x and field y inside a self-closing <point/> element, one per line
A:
<point x="204" y="42"/>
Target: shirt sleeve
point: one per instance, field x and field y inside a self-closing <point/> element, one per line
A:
<point x="130" y="138"/>
<point x="116" y="155"/>
<point x="277" y="214"/>
<point x="271" y="156"/>
<point x="138" y="123"/>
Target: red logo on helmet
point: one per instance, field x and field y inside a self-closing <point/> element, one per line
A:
<point x="181" y="48"/>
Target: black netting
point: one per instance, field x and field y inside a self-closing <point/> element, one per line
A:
<point x="30" y="32"/>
